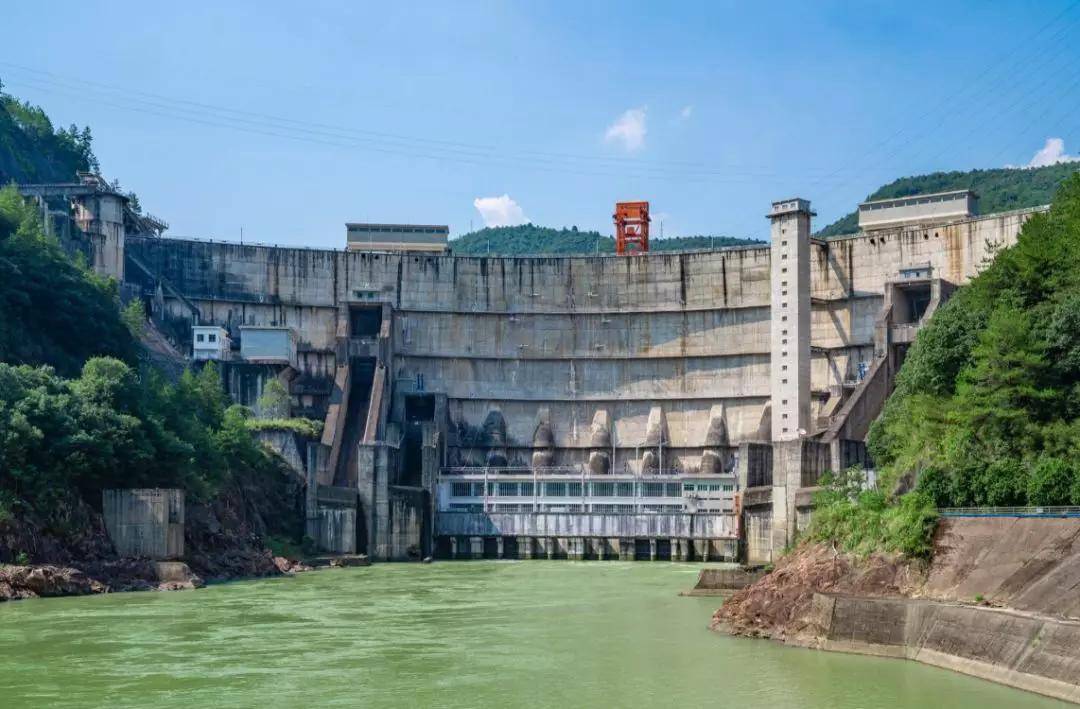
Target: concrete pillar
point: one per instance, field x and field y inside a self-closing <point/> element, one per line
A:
<point x="577" y="549"/>
<point x="525" y="547"/>
<point x="626" y="549"/>
<point x="678" y="550"/>
<point x="702" y="548"/>
<point x="789" y="354"/>
<point x="598" y="548"/>
<point x="476" y="547"/>
<point x="652" y="550"/>
<point x="499" y="547"/>
<point x="453" y="547"/>
<point x="787" y="477"/>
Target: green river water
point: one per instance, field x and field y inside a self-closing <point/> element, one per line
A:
<point x="455" y="634"/>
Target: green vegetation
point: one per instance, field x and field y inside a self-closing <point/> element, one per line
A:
<point x="531" y="239"/>
<point x="52" y="310"/>
<point x="862" y="521"/>
<point x="32" y="150"/>
<point x="308" y="428"/>
<point x="987" y="404"/>
<point x="77" y="411"/>
<point x="999" y="190"/>
<point x="274" y="402"/>
<point x="986" y="409"/>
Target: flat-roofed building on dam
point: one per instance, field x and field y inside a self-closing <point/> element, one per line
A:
<point x="397" y="237"/>
<point x="936" y="208"/>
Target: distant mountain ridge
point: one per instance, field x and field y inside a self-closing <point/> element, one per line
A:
<point x="528" y="239"/>
<point x="999" y="190"/>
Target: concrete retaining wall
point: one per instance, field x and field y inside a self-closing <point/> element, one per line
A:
<point x="145" y="522"/>
<point x="1037" y="653"/>
<point x="1030" y="564"/>
<point x="337" y="530"/>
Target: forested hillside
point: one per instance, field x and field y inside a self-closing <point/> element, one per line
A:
<point x="33" y="150"/>
<point x="531" y="239"/>
<point x="987" y="404"/>
<point x="79" y="411"/>
<point x="999" y="190"/>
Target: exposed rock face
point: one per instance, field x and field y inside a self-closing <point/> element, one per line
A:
<point x="779" y="605"/>
<point x="1028" y="564"/>
<point x="34" y="581"/>
<point x="1000" y="600"/>
<point x="223" y="540"/>
<point x="38" y="581"/>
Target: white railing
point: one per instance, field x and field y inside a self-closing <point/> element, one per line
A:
<point x="553" y="490"/>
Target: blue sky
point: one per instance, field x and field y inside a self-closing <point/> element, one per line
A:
<point x="287" y="123"/>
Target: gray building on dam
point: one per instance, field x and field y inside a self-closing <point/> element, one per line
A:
<point x="653" y="406"/>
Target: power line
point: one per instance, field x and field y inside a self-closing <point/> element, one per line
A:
<point x="957" y="98"/>
<point x="181" y="108"/>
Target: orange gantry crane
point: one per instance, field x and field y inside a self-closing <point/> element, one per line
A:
<point x="631" y="228"/>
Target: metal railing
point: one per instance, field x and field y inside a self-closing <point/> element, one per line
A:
<point x="1049" y="511"/>
<point x="577" y="470"/>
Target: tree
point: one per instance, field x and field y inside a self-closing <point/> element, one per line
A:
<point x="1051" y="482"/>
<point x="274" y="402"/>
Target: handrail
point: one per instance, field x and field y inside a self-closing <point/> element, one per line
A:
<point x="1048" y="511"/>
<point x="496" y="470"/>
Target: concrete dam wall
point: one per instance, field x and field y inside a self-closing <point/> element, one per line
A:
<point x="652" y="364"/>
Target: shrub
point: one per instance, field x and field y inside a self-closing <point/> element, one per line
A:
<point x="863" y="521"/>
<point x="1050" y="482"/>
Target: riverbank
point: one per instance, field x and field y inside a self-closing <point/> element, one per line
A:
<point x="999" y="600"/>
<point x="224" y="540"/>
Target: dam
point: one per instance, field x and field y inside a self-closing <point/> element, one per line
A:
<point x="678" y="406"/>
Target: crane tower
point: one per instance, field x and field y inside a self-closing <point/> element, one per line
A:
<point x="631" y="227"/>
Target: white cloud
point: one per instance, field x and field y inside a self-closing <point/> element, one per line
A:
<point x="500" y="211"/>
<point x="628" y="130"/>
<point x="1051" y="154"/>
<point x="686" y="112"/>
